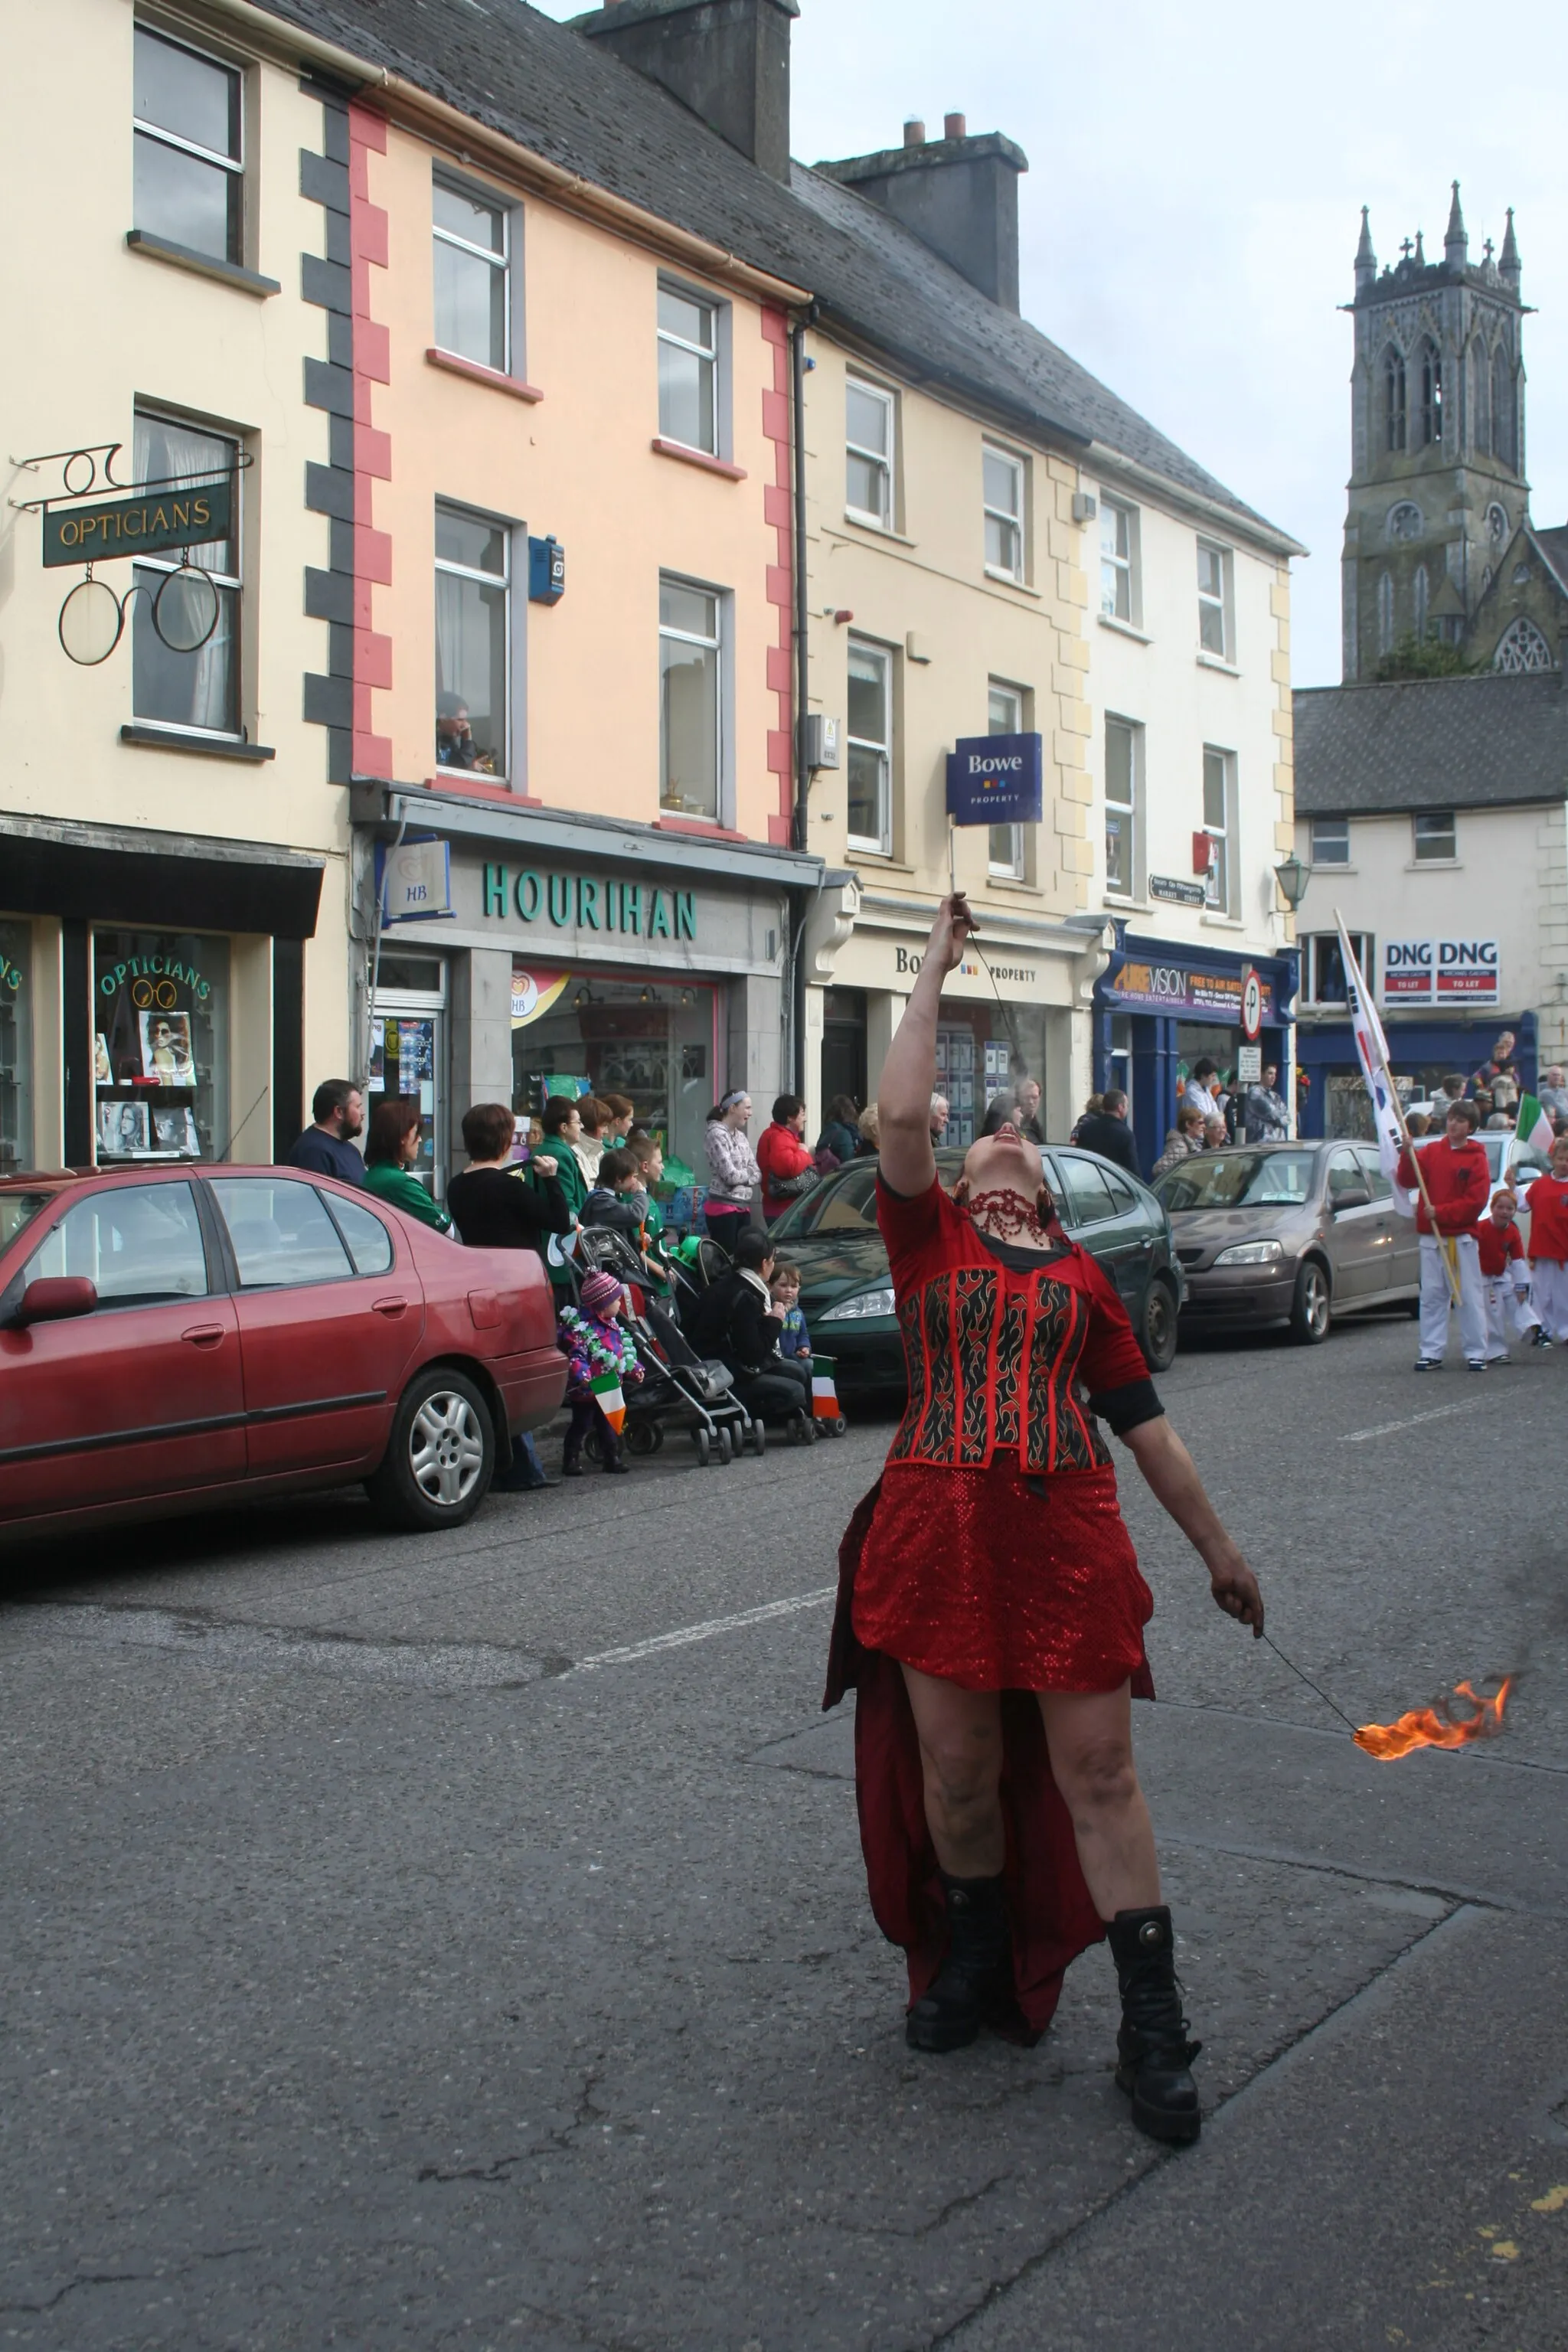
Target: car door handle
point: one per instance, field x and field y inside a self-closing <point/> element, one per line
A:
<point x="390" y="1306"/>
<point x="204" y="1335"/>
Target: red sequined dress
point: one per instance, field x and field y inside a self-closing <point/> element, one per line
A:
<point x="992" y="1552"/>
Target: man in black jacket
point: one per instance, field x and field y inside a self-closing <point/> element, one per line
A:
<point x="736" y="1321"/>
<point x="1107" y="1131"/>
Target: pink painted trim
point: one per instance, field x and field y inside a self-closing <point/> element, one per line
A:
<point x="698" y="824"/>
<point x="698" y="458"/>
<point x="779" y="577"/>
<point x="457" y="784"/>
<point x="369" y="247"/>
<point x="436" y="357"/>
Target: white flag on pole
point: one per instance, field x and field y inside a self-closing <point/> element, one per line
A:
<point x="1372" y="1049"/>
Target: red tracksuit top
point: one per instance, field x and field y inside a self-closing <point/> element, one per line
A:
<point x="1548" y="1206"/>
<point x="1501" y="1246"/>
<point x="1460" y="1185"/>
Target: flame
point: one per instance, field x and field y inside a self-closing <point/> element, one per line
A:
<point x="1427" y="1726"/>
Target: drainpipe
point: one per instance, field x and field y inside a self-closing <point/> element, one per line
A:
<point x="800" y="829"/>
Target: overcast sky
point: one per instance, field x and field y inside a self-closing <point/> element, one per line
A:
<point x="1194" y="194"/>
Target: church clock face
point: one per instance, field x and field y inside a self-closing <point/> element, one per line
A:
<point x="1497" y="524"/>
<point x="1404" y="521"/>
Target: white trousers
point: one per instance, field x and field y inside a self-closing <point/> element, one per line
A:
<point x="1436" y="1298"/>
<point x="1508" y="1306"/>
<point x="1549" y="1296"/>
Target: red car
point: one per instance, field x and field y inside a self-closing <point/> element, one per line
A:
<point x="172" y="1338"/>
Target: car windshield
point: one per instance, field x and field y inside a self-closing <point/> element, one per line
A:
<point x="1238" y="1180"/>
<point x="846" y="1201"/>
<point x="19" y="1209"/>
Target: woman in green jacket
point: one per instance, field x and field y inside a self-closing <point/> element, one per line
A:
<point x="391" y="1151"/>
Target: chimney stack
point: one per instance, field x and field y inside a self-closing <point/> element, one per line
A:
<point x="728" y="60"/>
<point x="914" y="132"/>
<point x="957" y="195"/>
<point x="954" y="126"/>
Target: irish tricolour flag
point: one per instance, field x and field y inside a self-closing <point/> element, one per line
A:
<point x="1533" y="1126"/>
<point x="824" y="1395"/>
<point x="606" y="1394"/>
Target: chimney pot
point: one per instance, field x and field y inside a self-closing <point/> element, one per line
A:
<point x="914" y="132"/>
<point x="954" y="126"/>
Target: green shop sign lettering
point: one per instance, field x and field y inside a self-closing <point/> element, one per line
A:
<point x="139" y="526"/>
<point x="155" y="980"/>
<point x="580" y="901"/>
<point x="10" y="975"/>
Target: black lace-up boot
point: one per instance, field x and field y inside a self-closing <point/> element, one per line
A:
<point x="1152" y="2053"/>
<point x="974" y="1986"/>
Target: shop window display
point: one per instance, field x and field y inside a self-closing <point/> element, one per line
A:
<point x="15" y="1048"/>
<point x="654" y="1043"/>
<point x="981" y="1051"/>
<point x="160" y="1011"/>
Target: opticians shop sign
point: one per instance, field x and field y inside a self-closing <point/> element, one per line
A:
<point x="1439" y="971"/>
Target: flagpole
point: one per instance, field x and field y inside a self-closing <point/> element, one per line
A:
<point x="1353" y="963"/>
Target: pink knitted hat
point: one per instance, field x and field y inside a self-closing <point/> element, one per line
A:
<point x="600" y="1290"/>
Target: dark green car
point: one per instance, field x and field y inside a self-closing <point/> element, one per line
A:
<point x="847" y="1294"/>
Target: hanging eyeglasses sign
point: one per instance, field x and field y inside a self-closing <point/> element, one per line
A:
<point x="84" y="524"/>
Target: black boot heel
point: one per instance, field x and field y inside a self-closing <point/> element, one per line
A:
<point x="973" y="1987"/>
<point x="1152" y="2051"/>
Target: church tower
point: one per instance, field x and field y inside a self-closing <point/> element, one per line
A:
<point x="1437" y="490"/>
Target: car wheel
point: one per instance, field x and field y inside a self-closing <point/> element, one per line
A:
<point x="1158" y="1336"/>
<point x="1312" y="1310"/>
<point x="439" y="1460"/>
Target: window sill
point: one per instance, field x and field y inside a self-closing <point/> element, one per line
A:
<point x="174" y="739"/>
<point x="701" y="458"/>
<point x="1331" y="869"/>
<point x="1117" y="904"/>
<point x="200" y="265"/>
<point x="1123" y="628"/>
<point x="869" y="853"/>
<point x="1223" y="922"/>
<point x="477" y="373"/>
<point x="1216" y="661"/>
<point x="1017" y="885"/>
<point x="1433" y="864"/>
<point x="1006" y="580"/>
<point x="467" y="780"/>
<point x="875" y="530"/>
<point x="707" y="828"/>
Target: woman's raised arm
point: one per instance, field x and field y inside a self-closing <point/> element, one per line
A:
<point x="909" y="1074"/>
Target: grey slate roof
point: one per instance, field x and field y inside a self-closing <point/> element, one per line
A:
<point x="537" y="82"/>
<point x="1431" y="743"/>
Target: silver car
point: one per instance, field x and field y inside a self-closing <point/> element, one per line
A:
<point x="1288" y="1233"/>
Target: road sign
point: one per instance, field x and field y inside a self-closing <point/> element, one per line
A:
<point x="1251" y="1006"/>
<point x="1250" y="1065"/>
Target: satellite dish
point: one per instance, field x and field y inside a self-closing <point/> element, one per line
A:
<point x="90" y="621"/>
<point x="186" y="609"/>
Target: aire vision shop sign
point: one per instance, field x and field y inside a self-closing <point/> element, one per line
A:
<point x="1439" y="971"/>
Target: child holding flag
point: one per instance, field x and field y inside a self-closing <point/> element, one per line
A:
<point x="1452" y="1189"/>
<point x="602" y="1362"/>
<point x="1548" y="1203"/>
<point x="1505" y="1277"/>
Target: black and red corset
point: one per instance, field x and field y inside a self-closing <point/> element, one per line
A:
<point x="994" y="1366"/>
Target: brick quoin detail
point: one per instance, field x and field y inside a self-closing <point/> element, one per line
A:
<point x="373" y="448"/>
<point x="780" y="580"/>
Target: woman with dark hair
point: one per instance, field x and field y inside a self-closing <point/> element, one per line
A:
<point x="991" y="1611"/>
<point x="735" y="1174"/>
<point x="495" y="1207"/>
<point x="788" y="1169"/>
<point x="841" y="1129"/>
<point x="391" y="1149"/>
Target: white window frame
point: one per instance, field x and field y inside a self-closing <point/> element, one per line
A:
<point x="507" y="580"/>
<point x="1444" y="822"/>
<point x="1128" y="567"/>
<point x="1213" y="603"/>
<point x="1133" y="888"/>
<point x="718" y="645"/>
<point x="1004" y="852"/>
<point x="1363" y="946"/>
<point x="1219" y="889"/>
<point x="881" y="846"/>
<point x="1012" y="519"/>
<point x="1329" y="829"/>
<point x="476" y="192"/>
<point x="172" y="560"/>
<point x="717" y="357"/>
<point x="887" y="460"/>
<point x="234" y="165"/>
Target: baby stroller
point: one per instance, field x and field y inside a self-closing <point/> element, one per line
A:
<point x="690" y="1275"/>
<point x="679" y="1388"/>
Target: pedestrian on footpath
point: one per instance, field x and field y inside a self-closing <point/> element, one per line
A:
<point x="1553" y="1095"/>
<point x="594" y="1345"/>
<point x="494" y="1206"/>
<point x="1198" y="1094"/>
<point x="1458" y="1180"/>
<point x="733" y="1174"/>
<point x="991" y="1611"/>
<point x="735" y="1320"/>
<point x="840" y="1137"/>
<point x="1505" y="1275"/>
<point x="1106" y="1132"/>
<point x="788" y="1170"/>
<point x="1265" y="1116"/>
<point x="1547" y="1200"/>
<point x="391" y="1147"/>
<point x="338" y="1108"/>
<point x="593" y="1120"/>
<point x="1185" y="1142"/>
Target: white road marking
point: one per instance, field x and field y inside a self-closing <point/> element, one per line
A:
<point x="1387" y="1428"/>
<point x="685" y="1635"/>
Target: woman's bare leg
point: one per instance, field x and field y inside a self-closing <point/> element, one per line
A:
<point x="1089" y="1736"/>
<point x="960" y="1734"/>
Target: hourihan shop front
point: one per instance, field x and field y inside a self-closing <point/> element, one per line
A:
<point x="575" y="950"/>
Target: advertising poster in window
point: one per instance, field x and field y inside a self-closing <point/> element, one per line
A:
<point x="122" y="1130"/>
<point x="160" y="1045"/>
<point x="166" y="1055"/>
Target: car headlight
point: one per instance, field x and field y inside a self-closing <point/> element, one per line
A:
<point x="1250" y="1253"/>
<point x="855" y="1310"/>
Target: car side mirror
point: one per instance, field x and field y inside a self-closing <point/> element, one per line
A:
<point x="55" y="1299"/>
<point x="1354" y="1196"/>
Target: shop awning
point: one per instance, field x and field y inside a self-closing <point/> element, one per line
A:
<point x="156" y="881"/>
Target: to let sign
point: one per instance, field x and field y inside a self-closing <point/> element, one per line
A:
<point x="148" y="524"/>
<point x="1439" y="971"/>
<point x="995" y="779"/>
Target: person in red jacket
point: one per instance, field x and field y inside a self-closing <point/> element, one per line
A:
<point x="788" y="1167"/>
<point x="1505" y="1275"/>
<point x="1548" y="1205"/>
<point x="1458" y="1182"/>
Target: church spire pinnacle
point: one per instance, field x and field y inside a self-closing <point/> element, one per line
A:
<point x="1365" y="259"/>
<point x="1508" y="259"/>
<point x="1456" y="241"/>
<point x="1420" y="251"/>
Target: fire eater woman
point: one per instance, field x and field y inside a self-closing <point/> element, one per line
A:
<point x="991" y="1609"/>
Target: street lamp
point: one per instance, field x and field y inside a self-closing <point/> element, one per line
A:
<point x="1292" y="877"/>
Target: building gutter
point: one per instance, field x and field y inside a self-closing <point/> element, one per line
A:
<point x="473" y="140"/>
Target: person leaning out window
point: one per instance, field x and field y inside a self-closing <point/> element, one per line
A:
<point x="390" y="1154"/>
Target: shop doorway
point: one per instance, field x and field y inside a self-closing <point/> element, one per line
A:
<point x="408" y="1052"/>
<point x="844" y="1044"/>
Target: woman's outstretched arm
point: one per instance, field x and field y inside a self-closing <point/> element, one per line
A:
<point x="909" y="1074"/>
<point x="1173" y="1473"/>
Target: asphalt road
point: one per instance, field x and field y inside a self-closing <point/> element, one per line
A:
<point x="426" y="1943"/>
